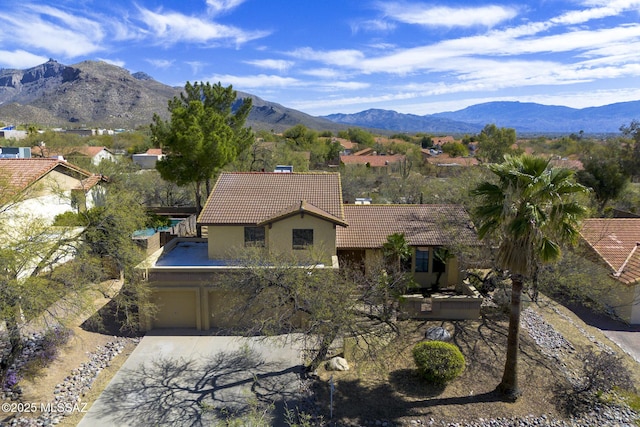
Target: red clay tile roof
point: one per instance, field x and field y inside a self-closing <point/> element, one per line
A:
<point x="18" y="174"/>
<point x="253" y="198"/>
<point x="154" y="151"/>
<point x="615" y="241"/>
<point x="301" y="208"/>
<point x="363" y="152"/>
<point x="373" y="161"/>
<point x="85" y="150"/>
<point x="422" y="225"/>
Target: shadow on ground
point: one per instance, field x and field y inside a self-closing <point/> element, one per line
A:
<point x="178" y="392"/>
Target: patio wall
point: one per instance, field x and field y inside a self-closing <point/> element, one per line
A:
<point x="464" y="305"/>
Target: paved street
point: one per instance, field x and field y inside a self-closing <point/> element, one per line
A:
<point x="190" y="380"/>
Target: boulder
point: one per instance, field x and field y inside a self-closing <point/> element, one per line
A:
<point x="337" y="364"/>
<point x="437" y="333"/>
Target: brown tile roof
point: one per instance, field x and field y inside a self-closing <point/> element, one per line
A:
<point x="85" y="150"/>
<point x="373" y="161"/>
<point x="615" y="241"/>
<point x="423" y="225"/>
<point x="253" y="198"/>
<point x="363" y="152"/>
<point x="154" y="151"/>
<point x="18" y="174"/>
<point x="302" y="207"/>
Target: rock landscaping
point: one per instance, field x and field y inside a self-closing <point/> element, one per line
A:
<point x="68" y="394"/>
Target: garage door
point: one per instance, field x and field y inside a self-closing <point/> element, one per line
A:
<point x="176" y="309"/>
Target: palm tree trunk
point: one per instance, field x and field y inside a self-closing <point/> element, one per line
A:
<point x="508" y="387"/>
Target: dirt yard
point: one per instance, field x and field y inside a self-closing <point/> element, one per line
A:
<point x="386" y="387"/>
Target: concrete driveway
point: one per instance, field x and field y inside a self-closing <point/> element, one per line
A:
<point x="627" y="337"/>
<point x="190" y="380"/>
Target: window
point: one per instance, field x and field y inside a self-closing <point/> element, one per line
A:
<point x="254" y="236"/>
<point x="422" y="261"/>
<point x="302" y="238"/>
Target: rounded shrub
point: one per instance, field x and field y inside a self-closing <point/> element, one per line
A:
<point x="437" y="361"/>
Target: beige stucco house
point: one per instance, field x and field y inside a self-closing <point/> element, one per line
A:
<point x="296" y="214"/>
<point x="614" y="242"/>
<point x="44" y="188"/>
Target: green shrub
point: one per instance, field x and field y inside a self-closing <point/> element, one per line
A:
<point x="437" y="361"/>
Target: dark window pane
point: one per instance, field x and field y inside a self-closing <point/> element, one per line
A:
<point x="254" y="236"/>
<point x="302" y="238"/>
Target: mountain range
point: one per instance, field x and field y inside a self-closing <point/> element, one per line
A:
<point x="95" y="93"/>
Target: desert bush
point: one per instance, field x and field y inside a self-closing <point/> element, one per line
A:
<point x="438" y="362"/>
<point x="600" y="373"/>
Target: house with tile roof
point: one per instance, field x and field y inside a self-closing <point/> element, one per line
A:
<point x="46" y="187"/>
<point x="614" y="242"/>
<point x="374" y="161"/>
<point x="301" y="214"/>
<point x="94" y="154"/>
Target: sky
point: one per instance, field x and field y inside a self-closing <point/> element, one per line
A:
<point x="346" y="56"/>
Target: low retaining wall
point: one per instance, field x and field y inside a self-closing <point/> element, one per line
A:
<point x="464" y="305"/>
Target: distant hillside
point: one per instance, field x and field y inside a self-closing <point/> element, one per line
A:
<point x="524" y="117"/>
<point x="530" y="117"/>
<point x="95" y="93"/>
<point x="391" y="120"/>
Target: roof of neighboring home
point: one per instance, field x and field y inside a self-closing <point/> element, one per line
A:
<point x="422" y="225"/>
<point x="446" y="160"/>
<point x="346" y="144"/>
<point x="616" y="241"/>
<point x="373" y="161"/>
<point x="363" y="152"/>
<point x="21" y="173"/>
<point x="154" y="151"/>
<point x="258" y="197"/>
<point x="85" y="150"/>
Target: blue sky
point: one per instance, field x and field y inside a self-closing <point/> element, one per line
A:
<point x="345" y="56"/>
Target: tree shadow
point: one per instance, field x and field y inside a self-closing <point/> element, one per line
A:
<point x="179" y="392"/>
<point x="108" y="320"/>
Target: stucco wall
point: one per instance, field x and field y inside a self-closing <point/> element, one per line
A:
<point x="324" y="236"/>
<point x="224" y="240"/>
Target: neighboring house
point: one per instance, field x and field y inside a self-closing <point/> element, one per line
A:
<point x="15" y="152"/>
<point x="614" y="242"/>
<point x="10" y="132"/>
<point x="45" y="188"/>
<point x="290" y="213"/>
<point x="374" y="161"/>
<point x="95" y="154"/>
<point x="148" y="160"/>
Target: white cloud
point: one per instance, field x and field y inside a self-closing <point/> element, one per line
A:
<point x="341" y="57"/>
<point x="172" y="27"/>
<point x="374" y="25"/>
<point x="53" y="30"/>
<point x="160" y="63"/>
<point x="117" y="62"/>
<point x="196" y="66"/>
<point x="255" y="81"/>
<point x="441" y="16"/>
<point x="218" y="6"/>
<point x="20" y="59"/>
<point x="272" y="64"/>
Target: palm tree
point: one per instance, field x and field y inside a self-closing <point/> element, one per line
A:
<point x="396" y="250"/>
<point x="530" y="212"/>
